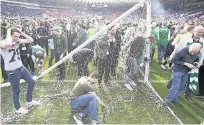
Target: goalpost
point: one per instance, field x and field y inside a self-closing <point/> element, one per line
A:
<point x="125" y="99"/>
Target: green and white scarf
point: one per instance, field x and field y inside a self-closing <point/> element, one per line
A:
<point x="193" y="84"/>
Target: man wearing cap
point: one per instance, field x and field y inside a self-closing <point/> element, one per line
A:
<point x="60" y="46"/>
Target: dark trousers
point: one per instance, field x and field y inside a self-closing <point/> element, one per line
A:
<point x="60" y="68"/>
<point x="166" y="57"/>
<point x="161" y="52"/>
<point x="14" y="79"/>
<point x="114" y="61"/>
<point x="51" y="57"/>
<point x="31" y="63"/>
<point x="24" y="59"/>
<point x="152" y="55"/>
<point x="43" y="42"/>
<point x="104" y="68"/>
<point x="83" y="67"/>
<point x="188" y="91"/>
<point x="132" y="70"/>
<point x="3" y="71"/>
<point x="201" y="80"/>
<point x="27" y="61"/>
<point x="69" y="48"/>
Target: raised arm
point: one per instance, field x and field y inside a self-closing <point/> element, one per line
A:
<point x="27" y="39"/>
<point x="8" y="41"/>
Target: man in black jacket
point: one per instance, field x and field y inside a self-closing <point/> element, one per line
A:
<point x="24" y="52"/>
<point x="82" y="58"/>
<point x="60" y="46"/>
<point x="42" y="32"/>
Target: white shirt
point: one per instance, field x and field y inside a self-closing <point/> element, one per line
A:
<point x="68" y="26"/>
<point x="11" y="56"/>
<point x="51" y="43"/>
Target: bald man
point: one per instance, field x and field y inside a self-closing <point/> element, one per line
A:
<point x="183" y="62"/>
<point x="198" y="33"/>
<point x="195" y="37"/>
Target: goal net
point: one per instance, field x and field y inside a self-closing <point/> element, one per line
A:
<point x="53" y="87"/>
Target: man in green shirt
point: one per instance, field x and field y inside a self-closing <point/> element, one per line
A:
<point x="163" y="37"/>
<point x="38" y="57"/>
<point x="83" y="95"/>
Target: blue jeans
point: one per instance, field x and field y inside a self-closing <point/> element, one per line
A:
<point x="161" y="52"/>
<point x="132" y="69"/>
<point x="88" y="101"/>
<point x="178" y="84"/>
<point x="14" y="79"/>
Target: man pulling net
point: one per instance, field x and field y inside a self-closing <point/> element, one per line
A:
<point x="84" y="96"/>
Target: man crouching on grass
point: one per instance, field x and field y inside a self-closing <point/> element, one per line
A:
<point x="83" y="95"/>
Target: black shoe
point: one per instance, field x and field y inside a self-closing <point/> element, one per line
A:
<point x="165" y="104"/>
<point x="168" y="86"/>
<point x="188" y="98"/>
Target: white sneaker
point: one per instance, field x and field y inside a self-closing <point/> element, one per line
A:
<point x="21" y="111"/>
<point x="32" y="103"/>
<point x="163" y="67"/>
<point x="94" y="122"/>
<point x="128" y="86"/>
<point x="142" y="64"/>
<point x="132" y="83"/>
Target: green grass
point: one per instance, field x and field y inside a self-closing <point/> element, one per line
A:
<point x="189" y="112"/>
<point x="123" y="107"/>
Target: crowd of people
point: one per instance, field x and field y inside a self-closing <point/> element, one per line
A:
<point x="26" y="42"/>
